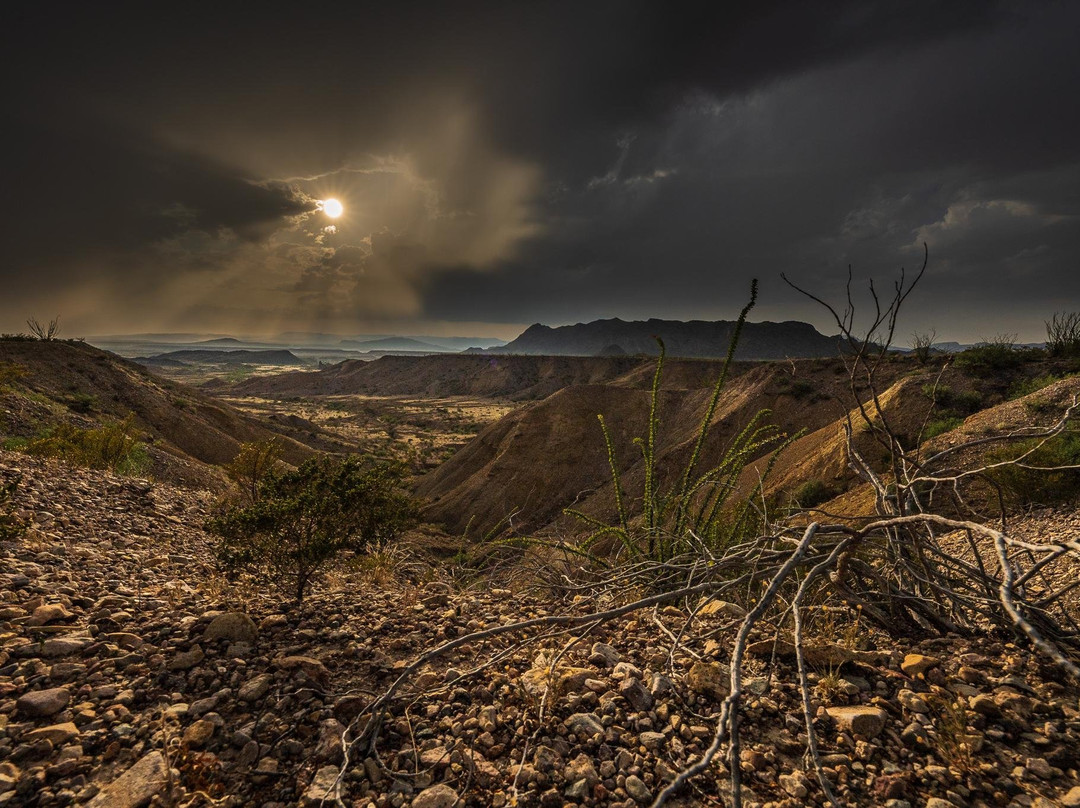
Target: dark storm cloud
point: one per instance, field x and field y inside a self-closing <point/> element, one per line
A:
<point x="545" y="161"/>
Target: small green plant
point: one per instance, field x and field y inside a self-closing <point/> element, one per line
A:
<point x="12" y="527"/>
<point x="306" y="519"/>
<point x="1063" y="334"/>
<point x="697" y="505"/>
<point x="113" y="446"/>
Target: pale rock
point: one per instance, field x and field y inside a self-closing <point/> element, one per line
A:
<point x="135" y="787"/>
<point x="440" y="796"/>
<point x="865" y="721"/>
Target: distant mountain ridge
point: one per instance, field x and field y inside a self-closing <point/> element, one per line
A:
<point x="694" y="339"/>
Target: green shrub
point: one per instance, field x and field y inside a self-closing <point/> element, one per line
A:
<point x="1025" y="387"/>
<point x="812" y="493"/>
<point x="304" y="520"/>
<point x="82" y="403"/>
<point x="12" y="527"/>
<point x="940" y="426"/>
<point x="112" y="446"/>
<point x="1039" y="480"/>
<point x="963" y="402"/>
<point x="991" y="356"/>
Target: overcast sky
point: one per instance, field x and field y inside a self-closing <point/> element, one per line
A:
<point x="507" y="163"/>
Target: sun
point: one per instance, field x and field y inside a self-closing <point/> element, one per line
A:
<point x="332" y="208"/>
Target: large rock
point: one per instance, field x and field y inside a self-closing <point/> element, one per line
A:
<point x="232" y="626"/>
<point x="186" y="660"/>
<point x="40" y="703"/>
<point x="49" y="613"/>
<point x="859" y="720"/>
<point x="440" y="796"/>
<point x="135" y="787"/>
<point x="709" y="679"/>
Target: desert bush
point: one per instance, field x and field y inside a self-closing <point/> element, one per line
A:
<point x="991" y="356"/>
<point x="304" y="520"/>
<point x="113" y="446"/>
<point x="812" y="493"/>
<point x="1039" y="472"/>
<point x="962" y="402"/>
<point x="253" y="462"/>
<point x="922" y="346"/>
<point x="1063" y="334"/>
<point x="46" y="332"/>
<point x="11" y="526"/>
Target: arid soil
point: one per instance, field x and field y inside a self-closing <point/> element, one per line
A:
<point x="131" y="673"/>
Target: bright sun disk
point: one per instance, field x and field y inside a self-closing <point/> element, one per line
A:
<point x="332" y="208"/>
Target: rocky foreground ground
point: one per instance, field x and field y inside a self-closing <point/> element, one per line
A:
<point x="131" y="675"/>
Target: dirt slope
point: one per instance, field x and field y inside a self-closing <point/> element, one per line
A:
<point x="550" y="455"/>
<point x="75" y="382"/>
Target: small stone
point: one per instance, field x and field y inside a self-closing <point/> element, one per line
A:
<point x="581" y="768"/>
<point x="937" y="802"/>
<point x="136" y="786"/>
<point x="859" y="720"/>
<point x="1040" y="768"/>
<point x="913" y="702"/>
<point x="603" y="655"/>
<point x="310" y="667"/>
<point x="652" y="740"/>
<point x="64" y="646"/>
<point x="636" y="695"/>
<point x="584" y="725"/>
<point x="232" y="626"/>
<point x="795" y="784"/>
<point x="440" y="796"/>
<point x="256" y="688"/>
<point x="918" y="664"/>
<point x="637" y="789"/>
<point x="199" y="733"/>
<point x="186" y="660"/>
<point x="40" y="703"/>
